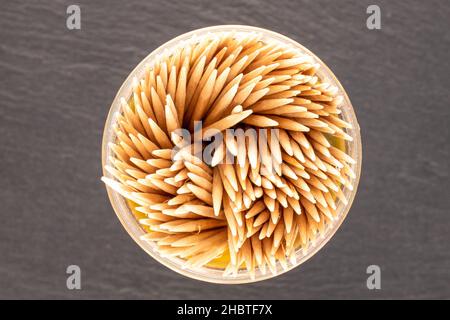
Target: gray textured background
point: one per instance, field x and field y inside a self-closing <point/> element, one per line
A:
<point x="56" y="87"/>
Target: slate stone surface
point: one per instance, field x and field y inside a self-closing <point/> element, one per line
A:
<point x="56" y="87"/>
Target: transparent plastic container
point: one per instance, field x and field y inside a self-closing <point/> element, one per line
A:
<point x="206" y="273"/>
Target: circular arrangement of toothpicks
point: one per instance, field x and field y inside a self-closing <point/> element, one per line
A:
<point x="269" y="187"/>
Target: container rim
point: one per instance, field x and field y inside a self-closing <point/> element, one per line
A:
<point x="132" y="226"/>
